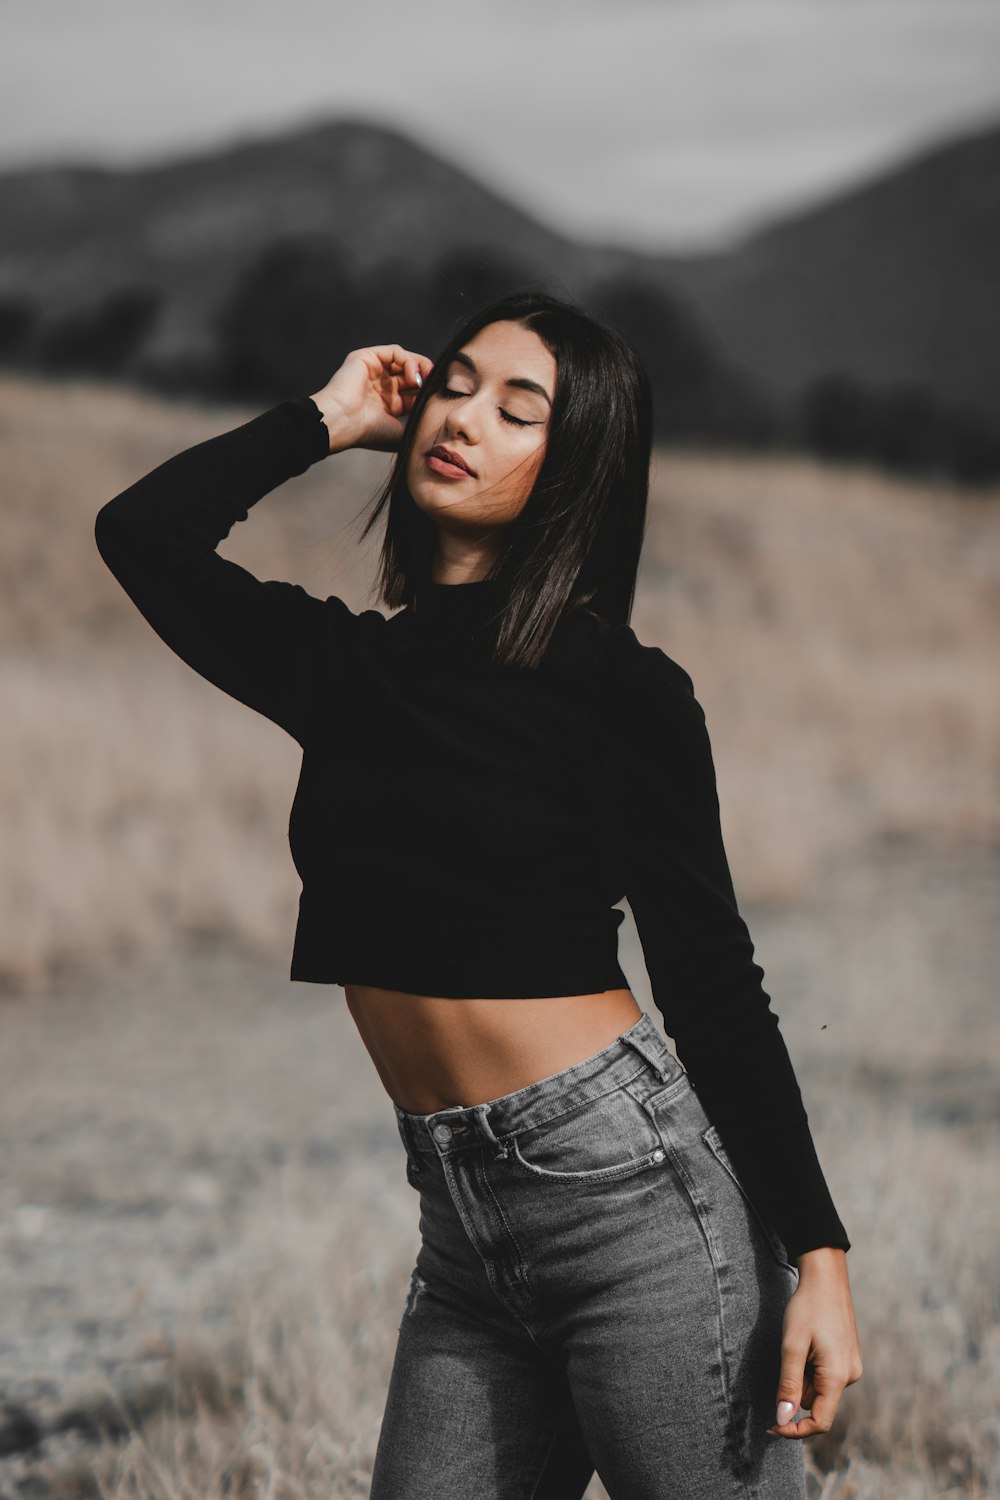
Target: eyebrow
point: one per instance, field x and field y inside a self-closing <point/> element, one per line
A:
<point x="520" y="382"/>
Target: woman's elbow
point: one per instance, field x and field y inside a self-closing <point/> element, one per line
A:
<point x="111" y="533"/>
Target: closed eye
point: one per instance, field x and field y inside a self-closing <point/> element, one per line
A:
<point x="450" y="395"/>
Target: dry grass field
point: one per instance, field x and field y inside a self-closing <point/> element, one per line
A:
<point x="205" y="1232"/>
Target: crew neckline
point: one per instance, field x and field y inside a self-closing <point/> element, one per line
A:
<point x="468" y="583"/>
<point x="464" y="606"/>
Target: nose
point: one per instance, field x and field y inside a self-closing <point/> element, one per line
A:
<point x="461" y="420"/>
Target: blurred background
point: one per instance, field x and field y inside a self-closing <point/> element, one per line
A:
<point x="792" y="208"/>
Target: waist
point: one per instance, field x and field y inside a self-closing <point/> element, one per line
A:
<point x="433" y="1052"/>
<point x="635" y="1048"/>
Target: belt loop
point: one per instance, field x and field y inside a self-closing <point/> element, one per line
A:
<point x="481" y="1111"/>
<point x="651" y="1051"/>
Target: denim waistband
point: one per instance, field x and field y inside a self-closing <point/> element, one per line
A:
<point x="459" y="1124"/>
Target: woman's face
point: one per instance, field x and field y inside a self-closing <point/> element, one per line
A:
<point x="492" y="412"/>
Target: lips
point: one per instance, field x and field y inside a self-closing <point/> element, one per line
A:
<point x="449" y="457"/>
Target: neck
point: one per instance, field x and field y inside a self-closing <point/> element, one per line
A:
<point x="460" y="607"/>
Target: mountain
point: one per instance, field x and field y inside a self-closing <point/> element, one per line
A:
<point x="863" y="327"/>
<point x="255" y="268"/>
<point x="894" y="280"/>
<point x="188" y="228"/>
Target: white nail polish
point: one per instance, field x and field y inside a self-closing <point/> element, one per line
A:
<point x="786" y="1410"/>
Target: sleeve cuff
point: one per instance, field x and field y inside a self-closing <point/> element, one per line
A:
<point x="306" y="430"/>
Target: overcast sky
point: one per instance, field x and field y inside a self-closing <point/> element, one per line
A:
<point x="663" y="124"/>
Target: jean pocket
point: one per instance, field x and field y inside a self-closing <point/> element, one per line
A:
<point x="713" y="1141"/>
<point x="598" y="1140"/>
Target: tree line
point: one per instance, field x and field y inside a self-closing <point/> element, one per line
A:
<point x="300" y="305"/>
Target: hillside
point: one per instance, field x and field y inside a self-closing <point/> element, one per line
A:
<point x="190" y="226"/>
<point x="893" y="280"/>
<point x="245" y="271"/>
<point x="251" y="270"/>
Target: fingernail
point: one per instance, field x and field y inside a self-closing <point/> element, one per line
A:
<point x="786" y="1410"/>
<point x="420" y="378"/>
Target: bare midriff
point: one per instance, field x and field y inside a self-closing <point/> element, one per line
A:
<point x="432" y="1052"/>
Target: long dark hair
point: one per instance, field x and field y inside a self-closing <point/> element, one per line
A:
<point x="577" y="539"/>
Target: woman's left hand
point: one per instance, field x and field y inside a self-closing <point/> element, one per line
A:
<point x="820" y="1353"/>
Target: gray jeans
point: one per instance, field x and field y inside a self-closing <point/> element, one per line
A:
<point x="593" y="1290"/>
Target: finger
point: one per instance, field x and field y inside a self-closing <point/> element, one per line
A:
<point x="389" y="354"/>
<point x="415" y="370"/>
<point x="809" y="1388"/>
<point x="415" y="367"/>
<point x="803" y="1428"/>
<point x="820" y="1419"/>
<point x="824" y="1408"/>
<point x="790" y="1381"/>
<point x="384" y="362"/>
<point x="394" y="357"/>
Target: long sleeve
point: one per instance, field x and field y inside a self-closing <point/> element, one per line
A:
<point x="258" y="641"/>
<point x="698" y="950"/>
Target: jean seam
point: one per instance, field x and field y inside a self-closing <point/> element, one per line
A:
<point x="545" y="1461"/>
<point x="522" y="1270"/>
<point x="669" y="1091"/>
<point x="470" y="1230"/>
<point x="748" y="1491"/>
<point x="716" y="1145"/>
<point x="594" y="1174"/>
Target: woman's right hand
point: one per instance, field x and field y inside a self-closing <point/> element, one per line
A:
<point x="364" y="402"/>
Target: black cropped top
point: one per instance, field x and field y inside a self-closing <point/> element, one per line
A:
<point x="463" y="829"/>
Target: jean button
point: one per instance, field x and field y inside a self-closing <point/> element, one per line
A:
<point x="658" y="1154"/>
<point x="442" y="1132"/>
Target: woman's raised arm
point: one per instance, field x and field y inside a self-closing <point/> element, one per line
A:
<point x="268" y="644"/>
<point x="255" y="640"/>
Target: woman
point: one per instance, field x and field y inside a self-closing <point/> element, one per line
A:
<point x="628" y="1258"/>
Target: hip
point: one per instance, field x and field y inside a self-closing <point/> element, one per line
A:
<point x="607" y="1170"/>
